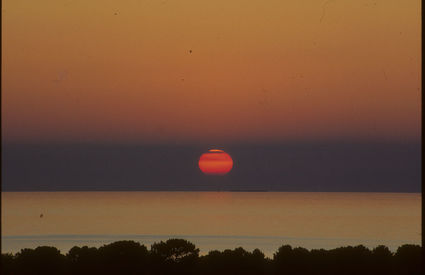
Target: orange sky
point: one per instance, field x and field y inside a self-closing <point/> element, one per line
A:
<point x="259" y="70"/>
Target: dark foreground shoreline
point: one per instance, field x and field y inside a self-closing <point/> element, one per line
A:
<point x="179" y="256"/>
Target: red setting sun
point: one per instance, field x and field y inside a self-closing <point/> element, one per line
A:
<point x="215" y="162"/>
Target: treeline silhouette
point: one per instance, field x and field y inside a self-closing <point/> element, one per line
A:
<point x="178" y="256"/>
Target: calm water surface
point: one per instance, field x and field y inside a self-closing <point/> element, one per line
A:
<point x="212" y="220"/>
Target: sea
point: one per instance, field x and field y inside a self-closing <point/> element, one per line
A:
<point x="210" y="220"/>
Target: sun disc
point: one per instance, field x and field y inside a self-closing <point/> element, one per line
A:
<point x="215" y="162"/>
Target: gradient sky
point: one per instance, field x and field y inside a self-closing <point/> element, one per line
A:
<point x="259" y="70"/>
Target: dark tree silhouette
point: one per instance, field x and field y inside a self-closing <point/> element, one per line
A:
<point x="382" y="260"/>
<point x="123" y="257"/>
<point x="237" y="261"/>
<point x="84" y="260"/>
<point x="408" y="259"/>
<point x="178" y="256"/>
<point x="319" y="261"/>
<point x="175" y="256"/>
<point x="292" y="261"/>
<point x="350" y="260"/>
<point x="42" y="260"/>
<point x="7" y="263"/>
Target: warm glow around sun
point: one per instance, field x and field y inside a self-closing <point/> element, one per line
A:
<point x="215" y="162"/>
<point x="210" y="71"/>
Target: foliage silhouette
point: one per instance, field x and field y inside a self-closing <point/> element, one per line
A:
<point x="408" y="259"/>
<point x="123" y="257"/>
<point x="7" y="263"/>
<point x="237" y="261"/>
<point x="43" y="260"/>
<point x="382" y="259"/>
<point x="178" y="256"/>
<point x="84" y="260"/>
<point x="175" y="256"/>
<point x="292" y="261"/>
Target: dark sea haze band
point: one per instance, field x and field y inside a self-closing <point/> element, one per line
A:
<point x="292" y="167"/>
